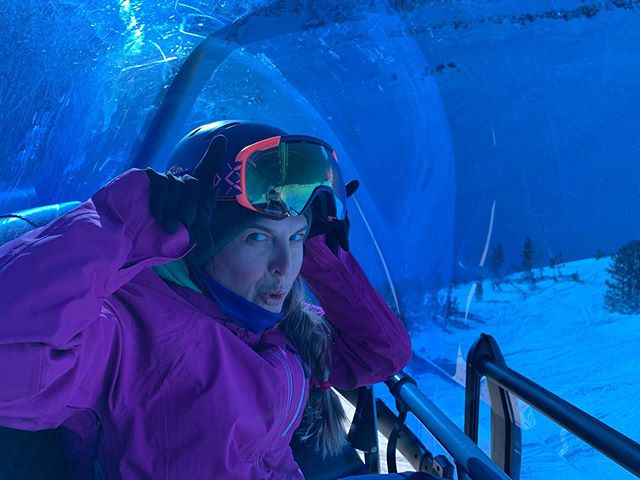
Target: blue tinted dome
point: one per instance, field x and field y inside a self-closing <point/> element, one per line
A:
<point x="474" y="128"/>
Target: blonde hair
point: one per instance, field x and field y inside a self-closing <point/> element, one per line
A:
<point x="322" y="425"/>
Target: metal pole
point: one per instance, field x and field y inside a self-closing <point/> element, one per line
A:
<point x="466" y="453"/>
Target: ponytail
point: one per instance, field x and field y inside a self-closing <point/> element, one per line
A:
<point x="323" y="421"/>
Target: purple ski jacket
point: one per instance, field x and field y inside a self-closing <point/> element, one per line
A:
<point x="150" y="377"/>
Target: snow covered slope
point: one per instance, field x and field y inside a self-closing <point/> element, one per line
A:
<point x="558" y="334"/>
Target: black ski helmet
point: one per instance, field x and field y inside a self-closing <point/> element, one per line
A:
<point x="229" y="217"/>
<point x="239" y="134"/>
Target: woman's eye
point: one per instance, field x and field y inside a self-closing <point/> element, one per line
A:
<point x="261" y="237"/>
<point x="257" y="237"/>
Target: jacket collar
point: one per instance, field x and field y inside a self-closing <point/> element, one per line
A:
<point x="207" y="306"/>
<point x="245" y="315"/>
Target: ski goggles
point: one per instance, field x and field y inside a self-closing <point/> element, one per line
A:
<point x="280" y="176"/>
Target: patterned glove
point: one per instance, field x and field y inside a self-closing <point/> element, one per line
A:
<point x="189" y="199"/>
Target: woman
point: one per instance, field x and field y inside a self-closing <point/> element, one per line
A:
<point x="161" y="322"/>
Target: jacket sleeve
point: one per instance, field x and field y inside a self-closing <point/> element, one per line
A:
<point x="369" y="343"/>
<point x="56" y="331"/>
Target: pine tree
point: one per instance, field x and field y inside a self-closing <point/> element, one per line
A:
<point x="623" y="291"/>
<point x="528" y="253"/>
<point x="557" y="260"/>
<point x="479" y="290"/>
<point x="496" y="260"/>
<point x="452" y="303"/>
<point x="495" y="265"/>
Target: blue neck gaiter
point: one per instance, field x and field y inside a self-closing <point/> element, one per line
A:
<point x="243" y="312"/>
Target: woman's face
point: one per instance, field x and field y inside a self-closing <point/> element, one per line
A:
<point x="263" y="261"/>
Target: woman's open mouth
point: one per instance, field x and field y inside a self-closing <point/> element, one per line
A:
<point x="272" y="299"/>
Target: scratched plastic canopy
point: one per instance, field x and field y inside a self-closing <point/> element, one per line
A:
<point x="91" y="80"/>
<point x="496" y="142"/>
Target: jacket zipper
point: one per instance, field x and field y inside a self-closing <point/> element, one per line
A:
<point x="289" y="381"/>
<point x="291" y="391"/>
<point x="300" y="401"/>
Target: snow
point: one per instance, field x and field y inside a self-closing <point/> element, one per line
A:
<point x="557" y="334"/>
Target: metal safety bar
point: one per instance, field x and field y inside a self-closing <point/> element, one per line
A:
<point x="506" y="436"/>
<point x="363" y="434"/>
<point x="472" y="461"/>
<point x="485" y="359"/>
<point x="408" y="445"/>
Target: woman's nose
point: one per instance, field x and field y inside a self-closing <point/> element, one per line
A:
<point x="281" y="260"/>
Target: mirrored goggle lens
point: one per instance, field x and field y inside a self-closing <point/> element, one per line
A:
<point x="283" y="180"/>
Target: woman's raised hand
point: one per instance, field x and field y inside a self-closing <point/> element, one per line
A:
<point x="189" y="199"/>
<point x="336" y="231"/>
